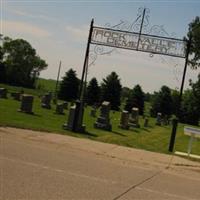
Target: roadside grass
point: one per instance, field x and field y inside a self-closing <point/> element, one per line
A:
<point x="153" y="138"/>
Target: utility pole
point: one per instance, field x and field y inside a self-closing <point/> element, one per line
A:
<point x="56" y="92"/>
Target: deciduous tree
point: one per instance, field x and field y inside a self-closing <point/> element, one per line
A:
<point x="22" y="64"/>
<point x="2" y="67"/>
<point x="194" y="31"/>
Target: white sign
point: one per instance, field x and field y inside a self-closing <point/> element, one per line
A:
<point x="192" y="131"/>
<point x="146" y="43"/>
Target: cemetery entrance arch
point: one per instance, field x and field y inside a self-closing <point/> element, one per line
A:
<point x="137" y="41"/>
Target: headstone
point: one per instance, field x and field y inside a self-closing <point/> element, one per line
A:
<point x="60" y="108"/>
<point x="3" y="93"/>
<point x="124" y="120"/>
<point x="146" y="122"/>
<point x="75" y="118"/>
<point x="46" y="101"/>
<point x="26" y="103"/>
<point x="165" y="120"/>
<point x="54" y="101"/>
<point x="80" y="127"/>
<point x="93" y="112"/>
<point x="71" y="117"/>
<point x="134" y="118"/>
<point x="159" y="119"/>
<point x="103" y="121"/>
<point x="65" y="105"/>
<point x="16" y="95"/>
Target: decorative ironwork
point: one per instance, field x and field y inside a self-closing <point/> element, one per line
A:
<point x="99" y="50"/>
<point x="125" y="35"/>
<point x="134" y="41"/>
<point x="161" y="42"/>
<point x="122" y="25"/>
<point x="171" y="61"/>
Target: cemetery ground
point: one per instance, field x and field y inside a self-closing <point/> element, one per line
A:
<point x="152" y="138"/>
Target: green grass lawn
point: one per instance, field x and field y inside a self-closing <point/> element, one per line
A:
<point x="154" y="138"/>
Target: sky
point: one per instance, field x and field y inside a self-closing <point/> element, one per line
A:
<point x="58" y="30"/>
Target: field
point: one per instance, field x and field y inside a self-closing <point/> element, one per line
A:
<point x="154" y="138"/>
<point x="42" y="86"/>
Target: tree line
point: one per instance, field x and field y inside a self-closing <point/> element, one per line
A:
<point x="110" y="89"/>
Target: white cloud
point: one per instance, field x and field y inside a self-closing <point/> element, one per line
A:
<point x="78" y="33"/>
<point x="22" y="27"/>
<point x="31" y="15"/>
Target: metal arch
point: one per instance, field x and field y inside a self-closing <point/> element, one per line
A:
<point x="156" y="31"/>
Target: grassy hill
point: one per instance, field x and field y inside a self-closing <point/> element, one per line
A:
<point x="46" y="84"/>
<point x="42" y="86"/>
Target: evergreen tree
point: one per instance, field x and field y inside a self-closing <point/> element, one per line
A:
<point x="111" y="90"/>
<point x="125" y="93"/>
<point x="147" y="97"/>
<point x="69" y="86"/>
<point x="93" y="92"/>
<point x="162" y="102"/>
<point x="136" y="99"/>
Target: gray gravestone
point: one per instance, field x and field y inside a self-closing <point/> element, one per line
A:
<point x="71" y="117"/>
<point x="103" y="121"/>
<point x="65" y="105"/>
<point x="27" y="103"/>
<point x="165" y="120"/>
<point x="75" y="118"/>
<point x="16" y="95"/>
<point x="124" y="120"/>
<point x="134" y="118"/>
<point x="80" y="127"/>
<point x="3" y="93"/>
<point x="159" y="119"/>
<point x="60" y="108"/>
<point x="46" y="101"/>
<point x="93" y="112"/>
<point x="146" y="122"/>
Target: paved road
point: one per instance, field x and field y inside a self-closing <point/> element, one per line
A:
<point x="41" y="166"/>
